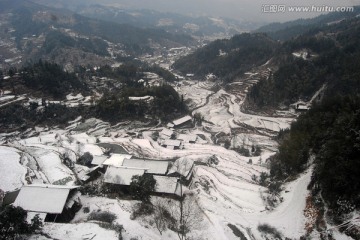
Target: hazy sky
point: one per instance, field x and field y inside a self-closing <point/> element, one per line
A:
<point x="239" y="9"/>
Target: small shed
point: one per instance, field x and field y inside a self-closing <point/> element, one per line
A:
<point x="121" y="175"/>
<point x="58" y="203"/>
<point x="152" y="166"/>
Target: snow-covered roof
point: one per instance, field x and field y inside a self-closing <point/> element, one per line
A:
<point x="81" y="172"/>
<point x="187" y="138"/>
<point x="182" y="120"/>
<point x="121" y="175"/>
<point x="167" y="185"/>
<point x="151" y="166"/>
<point x="169" y="142"/>
<point x="116" y="160"/>
<point x="302" y="107"/>
<point x="43" y="198"/>
<point x="144" y="98"/>
<point x="167" y="132"/>
<point x="98" y="160"/>
<point x="183" y="166"/>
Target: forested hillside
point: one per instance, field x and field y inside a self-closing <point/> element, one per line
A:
<point x="328" y="135"/>
<point x="229" y="58"/>
<point x="64" y="37"/>
<point x="334" y="57"/>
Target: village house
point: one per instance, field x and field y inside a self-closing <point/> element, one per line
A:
<point x="121" y="175"/>
<point x="181" y="122"/>
<point x="166" y="133"/>
<point x="300" y="106"/>
<point x="52" y="202"/>
<point x="98" y="160"/>
<point x="168" y="186"/>
<point x="85" y="174"/>
<point x="171" y="144"/>
<point x="155" y="167"/>
<point x="183" y="169"/>
<point x="116" y="160"/>
<point x="187" y="138"/>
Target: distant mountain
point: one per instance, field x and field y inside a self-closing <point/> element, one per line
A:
<point x="171" y="22"/>
<point x="64" y="36"/>
<point x="288" y="30"/>
<point x="228" y="58"/>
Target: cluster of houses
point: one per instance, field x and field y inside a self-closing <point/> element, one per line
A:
<point x="168" y="138"/>
<point x="60" y="203"/>
<point x="120" y="168"/>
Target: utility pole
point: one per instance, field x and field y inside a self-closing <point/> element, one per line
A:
<point x="182" y="230"/>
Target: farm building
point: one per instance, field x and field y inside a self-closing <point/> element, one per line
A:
<point x="51" y="202"/>
<point x="151" y="166"/>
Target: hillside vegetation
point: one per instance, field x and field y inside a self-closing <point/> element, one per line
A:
<point x="328" y="135"/>
<point x="228" y="58"/>
<point x="334" y="57"/>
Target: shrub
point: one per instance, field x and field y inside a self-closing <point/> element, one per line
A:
<point x="86" y="210"/>
<point x="85" y="159"/>
<point x="263" y="177"/>
<point x="107" y="217"/>
<point x="275" y="187"/>
<point x="227" y="144"/>
<point x="267" y="229"/>
<point x="13" y="222"/>
<point x="142" y="186"/>
<point x="155" y="135"/>
<point x="141" y="209"/>
<point x="243" y="151"/>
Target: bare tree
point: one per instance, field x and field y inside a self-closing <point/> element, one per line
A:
<point x="162" y="217"/>
<point x="181" y="216"/>
<point x="188" y="215"/>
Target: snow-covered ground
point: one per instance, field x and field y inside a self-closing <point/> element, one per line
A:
<point x="12" y="173"/>
<point x="226" y="190"/>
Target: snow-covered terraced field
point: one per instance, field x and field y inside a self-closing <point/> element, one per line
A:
<point x="223" y="110"/>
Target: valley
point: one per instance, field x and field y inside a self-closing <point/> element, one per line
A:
<point x="135" y="124"/>
<point x="227" y="191"/>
